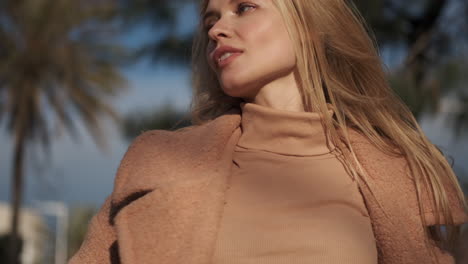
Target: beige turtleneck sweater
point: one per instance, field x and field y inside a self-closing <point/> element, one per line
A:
<point x="290" y="200"/>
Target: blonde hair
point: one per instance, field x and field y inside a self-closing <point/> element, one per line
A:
<point x="338" y="64"/>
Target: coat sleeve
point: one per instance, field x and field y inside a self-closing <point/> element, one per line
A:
<point x="100" y="243"/>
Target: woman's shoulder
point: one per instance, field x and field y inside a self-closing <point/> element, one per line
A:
<point x="138" y="161"/>
<point x="374" y="158"/>
<point x="384" y="170"/>
<point x="391" y="176"/>
<point x="152" y="141"/>
<point x="152" y="157"/>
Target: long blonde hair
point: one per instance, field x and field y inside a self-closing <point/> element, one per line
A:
<point x="338" y="64"/>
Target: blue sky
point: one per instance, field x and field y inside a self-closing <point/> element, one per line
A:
<point x="81" y="174"/>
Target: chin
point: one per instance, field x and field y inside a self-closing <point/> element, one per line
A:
<point x="241" y="83"/>
<point x="232" y="91"/>
<point x="238" y="90"/>
<point x="230" y="84"/>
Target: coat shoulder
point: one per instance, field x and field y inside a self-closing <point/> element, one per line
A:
<point x="390" y="172"/>
<point x="157" y="157"/>
<point x="142" y="152"/>
<point x="379" y="163"/>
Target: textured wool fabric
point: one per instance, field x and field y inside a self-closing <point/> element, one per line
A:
<point x="290" y="200"/>
<point x="169" y="194"/>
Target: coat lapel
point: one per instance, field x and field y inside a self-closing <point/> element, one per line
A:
<point x="176" y="220"/>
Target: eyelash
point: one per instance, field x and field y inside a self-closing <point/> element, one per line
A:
<point x="241" y="5"/>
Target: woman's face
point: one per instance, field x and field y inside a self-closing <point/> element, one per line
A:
<point x="264" y="49"/>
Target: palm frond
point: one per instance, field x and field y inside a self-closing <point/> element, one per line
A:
<point x="59" y="57"/>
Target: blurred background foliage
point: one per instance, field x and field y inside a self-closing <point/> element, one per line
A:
<point x="426" y="41"/>
<point x="60" y="61"/>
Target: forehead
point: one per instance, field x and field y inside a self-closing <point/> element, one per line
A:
<point x="209" y="5"/>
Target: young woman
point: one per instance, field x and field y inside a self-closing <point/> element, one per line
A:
<point x="299" y="153"/>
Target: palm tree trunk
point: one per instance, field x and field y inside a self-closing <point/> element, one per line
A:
<point x="16" y="197"/>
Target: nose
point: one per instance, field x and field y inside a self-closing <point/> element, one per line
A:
<point x="220" y="30"/>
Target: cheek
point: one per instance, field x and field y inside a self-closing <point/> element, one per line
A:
<point x="269" y="45"/>
<point x="269" y="54"/>
<point x="270" y="39"/>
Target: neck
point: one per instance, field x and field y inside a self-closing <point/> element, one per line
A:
<point x="280" y="94"/>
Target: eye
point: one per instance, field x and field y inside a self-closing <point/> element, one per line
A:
<point x="241" y="8"/>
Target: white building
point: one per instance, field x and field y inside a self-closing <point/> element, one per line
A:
<point x="33" y="231"/>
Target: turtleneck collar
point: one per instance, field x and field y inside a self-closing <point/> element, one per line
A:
<point x="281" y="131"/>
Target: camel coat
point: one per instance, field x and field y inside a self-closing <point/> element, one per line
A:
<point x="169" y="193"/>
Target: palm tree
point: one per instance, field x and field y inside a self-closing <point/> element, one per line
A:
<point x="57" y="60"/>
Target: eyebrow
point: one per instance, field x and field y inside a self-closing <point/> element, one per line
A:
<point x="212" y="12"/>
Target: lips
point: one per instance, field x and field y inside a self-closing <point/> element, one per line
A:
<point x="222" y="50"/>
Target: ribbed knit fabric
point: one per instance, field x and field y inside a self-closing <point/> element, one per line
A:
<point x="290" y="200"/>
